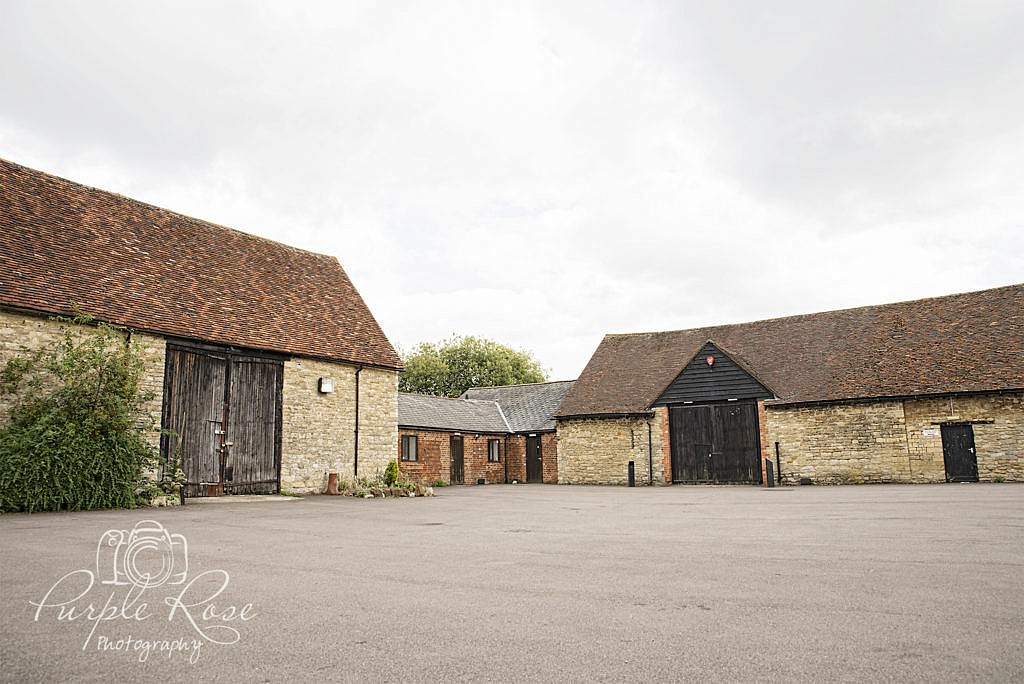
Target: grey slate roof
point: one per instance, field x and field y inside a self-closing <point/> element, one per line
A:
<point x="528" y="408"/>
<point x="442" y="413"/>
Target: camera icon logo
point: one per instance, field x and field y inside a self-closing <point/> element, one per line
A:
<point x="146" y="556"/>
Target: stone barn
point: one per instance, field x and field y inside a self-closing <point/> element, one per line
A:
<point x="923" y="391"/>
<point x="268" y="369"/>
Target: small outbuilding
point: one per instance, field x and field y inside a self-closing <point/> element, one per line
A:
<point x="267" y="368"/>
<point x="457" y="441"/>
<point x="923" y="391"/>
<point x="529" y="410"/>
<point x="488" y="435"/>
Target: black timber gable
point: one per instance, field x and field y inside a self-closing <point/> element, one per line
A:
<point x="721" y="380"/>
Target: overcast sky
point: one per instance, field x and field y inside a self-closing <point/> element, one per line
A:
<point x="545" y="173"/>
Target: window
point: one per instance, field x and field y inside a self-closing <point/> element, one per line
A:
<point x="493" y="450"/>
<point x="409" y="447"/>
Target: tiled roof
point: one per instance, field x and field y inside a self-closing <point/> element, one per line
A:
<point x="65" y="245"/>
<point x="442" y="413"/>
<point x="528" y="408"/>
<point x="971" y="342"/>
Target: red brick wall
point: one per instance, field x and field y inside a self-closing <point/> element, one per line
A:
<point x="517" y="458"/>
<point x="434" y="449"/>
<point x="766" y="450"/>
<point x="548" y="455"/>
<point x="661" y="421"/>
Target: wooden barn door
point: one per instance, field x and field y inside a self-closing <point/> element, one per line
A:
<point x="458" y="470"/>
<point x="193" y="411"/>
<point x="718" y="443"/>
<point x="534" y="460"/>
<point x="252" y="466"/>
<point x="223" y="411"/>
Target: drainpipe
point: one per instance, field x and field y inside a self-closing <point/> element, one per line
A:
<point x="650" y="456"/>
<point x="505" y="458"/>
<point x="355" y="453"/>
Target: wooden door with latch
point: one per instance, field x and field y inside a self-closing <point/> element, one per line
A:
<point x="222" y="420"/>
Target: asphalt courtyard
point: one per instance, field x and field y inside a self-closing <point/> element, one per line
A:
<point x="516" y="583"/>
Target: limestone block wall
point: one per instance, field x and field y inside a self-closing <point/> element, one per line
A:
<point x="154" y="351"/>
<point x="318" y="430"/>
<point x="998" y="424"/>
<point x="896" y="440"/>
<point x="597" y="451"/>
<point x="21" y="330"/>
<point x="841" y="443"/>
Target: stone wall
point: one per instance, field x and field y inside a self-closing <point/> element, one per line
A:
<point x="18" y="331"/>
<point x="998" y="424"/>
<point x="434" y="457"/>
<point x="318" y="430"/>
<point x="594" y="451"/>
<point x="896" y="440"/>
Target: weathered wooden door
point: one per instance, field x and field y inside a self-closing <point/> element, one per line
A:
<point x="717" y="443"/>
<point x="251" y="464"/>
<point x="458" y="475"/>
<point x="959" y="454"/>
<point x="223" y="413"/>
<point x="193" y="411"/>
<point x="534" y="460"/>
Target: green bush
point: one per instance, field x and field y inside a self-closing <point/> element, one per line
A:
<point x="75" y="438"/>
<point x="391" y="473"/>
<point x="440" y="483"/>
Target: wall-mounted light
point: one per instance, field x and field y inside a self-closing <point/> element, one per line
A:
<point x="325" y="385"/>
<point x="711" y="360"/>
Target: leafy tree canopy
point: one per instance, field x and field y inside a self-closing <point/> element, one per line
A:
<point x="450" y="368"/>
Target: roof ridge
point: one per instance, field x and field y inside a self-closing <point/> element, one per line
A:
<point x="521" y="384"/>
<point x="178" y="214"/>
<point x="865" y="307"/>
<point x="504" y="419"/>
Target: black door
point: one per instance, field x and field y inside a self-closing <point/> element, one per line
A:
<point x="717" y="443"/>
<point x="958" y="453"/>
<point x="458" y="475"/>
<point x="223" y="413"/>
<point x="534" y="460"/>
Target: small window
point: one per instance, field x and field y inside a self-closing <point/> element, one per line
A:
<point x="409" y="447"/>
<point x="494" y="450"/>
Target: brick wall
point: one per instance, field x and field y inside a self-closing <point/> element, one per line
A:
<point x="318" y="430"/>
<point x="548" y="455"/>
<point x="517" y="458"/>
<point x="897" y="440"/>
<point x="598" y="451"/>
<point x="434" y="457"/>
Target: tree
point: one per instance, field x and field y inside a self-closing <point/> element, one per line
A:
<point x="450" y="368"/>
